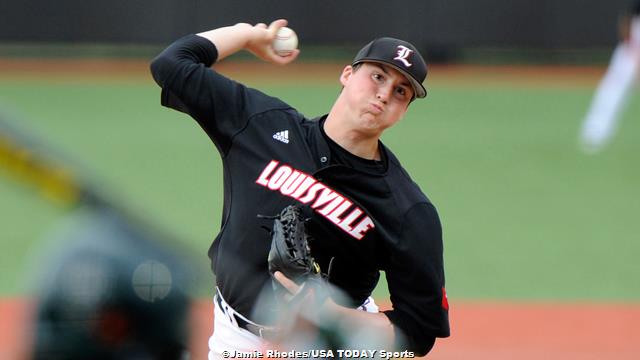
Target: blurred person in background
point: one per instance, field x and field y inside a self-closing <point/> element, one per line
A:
<point x="109" y="290"/>
<point x="601" y="121"/>
<point x="107" y="283"/>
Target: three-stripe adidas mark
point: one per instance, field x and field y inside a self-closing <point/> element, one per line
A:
<point x="282" y="136"/>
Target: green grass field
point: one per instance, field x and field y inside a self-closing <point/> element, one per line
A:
<point x="525" y="214"/>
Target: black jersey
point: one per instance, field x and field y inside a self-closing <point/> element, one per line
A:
<point x="369" y="217"/>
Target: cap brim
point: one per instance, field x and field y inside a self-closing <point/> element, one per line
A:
<point x="418" y="89"/>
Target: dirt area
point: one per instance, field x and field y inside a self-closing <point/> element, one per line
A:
<point x="479" y="331"/>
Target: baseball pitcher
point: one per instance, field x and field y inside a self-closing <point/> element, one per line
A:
<point x="345" y="208"/>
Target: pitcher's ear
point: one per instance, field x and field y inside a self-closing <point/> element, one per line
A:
<point x="346" y="74"/>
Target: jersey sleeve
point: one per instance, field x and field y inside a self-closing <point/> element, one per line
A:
<point x="415" y="277"/>
<point x="220" y="105"/>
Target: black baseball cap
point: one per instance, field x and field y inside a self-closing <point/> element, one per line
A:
<point x="399" y="54"/>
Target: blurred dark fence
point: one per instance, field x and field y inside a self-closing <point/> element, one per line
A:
<point x="438" y="24"/>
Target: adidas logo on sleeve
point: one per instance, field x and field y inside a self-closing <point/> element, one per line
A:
<point x="282" y="136"/>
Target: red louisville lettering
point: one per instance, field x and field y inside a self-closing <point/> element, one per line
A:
<point x="263" y="178"/>
<point x="326" y="201"/>
<point x="279" y="177"/>
<point x="327" y="209"/>
<point x="292" y="183"/>
<point x="325" y="196"/>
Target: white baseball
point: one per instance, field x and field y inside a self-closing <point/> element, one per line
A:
<point x="285" y="42"/>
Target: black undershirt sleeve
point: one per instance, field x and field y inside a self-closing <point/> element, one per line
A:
<point x="416" y="281"/>
<point x="220" y="105"/>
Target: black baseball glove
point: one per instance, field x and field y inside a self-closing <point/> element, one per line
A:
<point x="290" y="253"/>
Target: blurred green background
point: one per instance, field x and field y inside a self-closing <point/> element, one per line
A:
<point x="526" y="215"/>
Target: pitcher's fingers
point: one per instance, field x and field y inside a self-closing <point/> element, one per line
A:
<point x="283" y="60"/>
<point x="288" y="284"/>
<point x="276" y="25"/>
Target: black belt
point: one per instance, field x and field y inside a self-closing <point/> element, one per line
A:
<point x="264" y="332"/>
